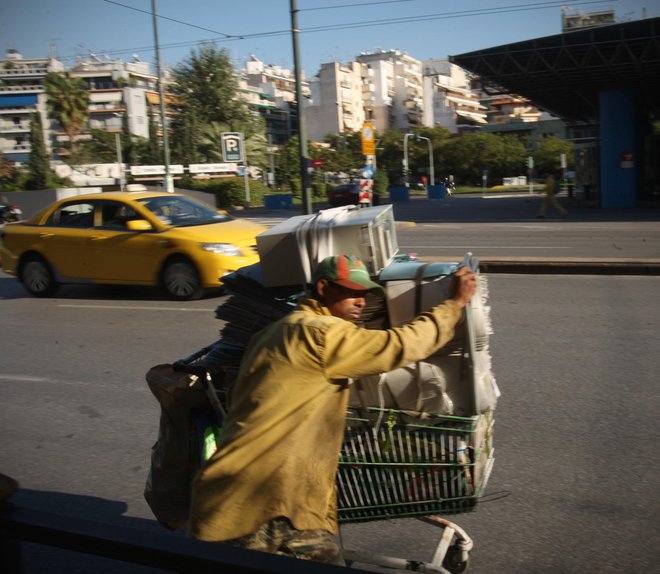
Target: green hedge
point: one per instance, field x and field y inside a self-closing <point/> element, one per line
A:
<point x="230" y="191"/>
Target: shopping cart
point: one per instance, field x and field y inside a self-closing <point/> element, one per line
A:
<point x="391" y="468"/>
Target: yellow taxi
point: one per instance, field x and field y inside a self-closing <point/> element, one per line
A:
<point x="158" y="239"/>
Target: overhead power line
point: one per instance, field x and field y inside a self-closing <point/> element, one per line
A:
<point x="351" y="25"/>
<point x="161" y="17"/>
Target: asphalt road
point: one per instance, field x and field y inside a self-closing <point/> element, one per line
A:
<point x="574" y="487"/>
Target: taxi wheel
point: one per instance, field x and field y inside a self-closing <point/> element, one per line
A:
<point x="181" y="280"/>
<point x="38" y="277"/>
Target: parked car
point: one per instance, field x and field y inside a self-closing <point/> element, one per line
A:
<point x="348" y="194"/>
<point x="138" y="238"/>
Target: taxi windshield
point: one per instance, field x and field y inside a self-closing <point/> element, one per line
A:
<point x="182" y="211"/>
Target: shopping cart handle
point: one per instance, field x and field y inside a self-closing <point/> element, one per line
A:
<point x="471" y="262"/>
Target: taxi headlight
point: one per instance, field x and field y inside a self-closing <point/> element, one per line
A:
<point x="222" y="248"/>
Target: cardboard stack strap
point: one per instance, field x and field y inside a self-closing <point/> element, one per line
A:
<point x="290" y="251"/>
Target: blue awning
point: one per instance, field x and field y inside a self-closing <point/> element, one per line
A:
<point x="18" y="101"/>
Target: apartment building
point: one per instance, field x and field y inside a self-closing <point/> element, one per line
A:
<point x="117" y="88"/>
<point x="580" y="21"/>
<point x="336" y="100"/>
<point x="448" y="98"/>
<point x="22" y="93"/>
<point x="271" y="92"/>
<point x="399" y="88"/>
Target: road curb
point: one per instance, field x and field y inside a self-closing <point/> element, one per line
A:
<point x="571" y="267"/>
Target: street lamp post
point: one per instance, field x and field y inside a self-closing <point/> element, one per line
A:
<point x="405" y="157"/>
<point x="302" y="133"/>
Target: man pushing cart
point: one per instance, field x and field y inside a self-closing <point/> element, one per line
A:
<point x="303" y="447"/>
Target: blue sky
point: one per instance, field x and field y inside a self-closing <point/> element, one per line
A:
<point x="331" y="30"/>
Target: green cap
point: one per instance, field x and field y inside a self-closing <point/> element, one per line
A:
<point x="348" y="271"/>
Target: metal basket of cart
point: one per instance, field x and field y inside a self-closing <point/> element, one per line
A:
<point x="418" y="441"/>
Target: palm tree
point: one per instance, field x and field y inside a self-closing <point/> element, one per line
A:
<point x="67" y="103"/>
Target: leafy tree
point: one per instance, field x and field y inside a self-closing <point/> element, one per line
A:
<point x="7" y="167"/>
<point x="67" y="104"/>
<point x="186" y="138"/>
<point x="141" y="151"/>
<point x="154" y="154"/>
<point x="127" y="146"/>
<point x="8" y="174"/>
<point x="39" y="164"/>
<point x="287" y="165"/>
<point x="206" y="84"/>
<point x="547" y="155"/>
<point x="100" y="148"/>
<point x="466" y="157"/>
<point x="209" y="104"/>
<point x="344" y="154"/>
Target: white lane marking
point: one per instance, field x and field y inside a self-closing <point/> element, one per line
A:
<point x="23" y="378"/>
<point x="136" y="307"/>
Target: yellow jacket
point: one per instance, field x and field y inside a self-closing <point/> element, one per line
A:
<point x="280" y="447"/>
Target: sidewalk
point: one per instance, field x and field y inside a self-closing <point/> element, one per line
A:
<point x="518" y="210"/>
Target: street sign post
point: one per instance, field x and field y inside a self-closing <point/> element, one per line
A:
<point x="368" y="139"/>
<point x="232" y="147"/>
<point x="366" y="191"/>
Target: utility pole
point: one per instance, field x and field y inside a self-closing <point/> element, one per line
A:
<point x="120" y="161"/>
<point x="302" y="134"/>
<point x="169" y="183"/>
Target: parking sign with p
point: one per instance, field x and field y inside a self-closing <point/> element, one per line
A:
<point x="232" y="147"/>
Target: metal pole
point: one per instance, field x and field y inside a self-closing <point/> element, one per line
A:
<point x="245" y="172"/>
<point x="169" y="184"/>
<point x="120" y="162"/>
<point x="431" y="170"/>
<point x="405" y="158"/>
<point x="302" y="135"/>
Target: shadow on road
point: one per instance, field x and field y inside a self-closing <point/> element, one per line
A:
<point x="11" y="288"/>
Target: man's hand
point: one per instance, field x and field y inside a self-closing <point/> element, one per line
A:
<point x="464" y="286"/>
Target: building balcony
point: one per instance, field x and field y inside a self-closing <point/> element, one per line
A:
<point x="10" y="127"/>
<point x="21" y="89"/>
<point x="106" y="109"/>
<point x="413" y="103"/>
<point x="8" y="147"/>
<point x="20" y="72"/>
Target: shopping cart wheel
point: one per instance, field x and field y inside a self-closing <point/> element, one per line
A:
<point x="453" y="562"/>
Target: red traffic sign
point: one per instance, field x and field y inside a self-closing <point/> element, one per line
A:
<point x="366" y="190"/>
<point x="317" y="162"/>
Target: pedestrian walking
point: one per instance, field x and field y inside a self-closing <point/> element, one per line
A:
<point x="271" y="484"/>
<point x="551" y="190"/>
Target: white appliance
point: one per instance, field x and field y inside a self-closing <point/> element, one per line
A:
<point x="291" y="250"/>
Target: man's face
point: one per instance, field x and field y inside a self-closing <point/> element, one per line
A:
<point x="342" y="302"/>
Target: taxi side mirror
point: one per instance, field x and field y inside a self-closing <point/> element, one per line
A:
<point x="138" y="225"/>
